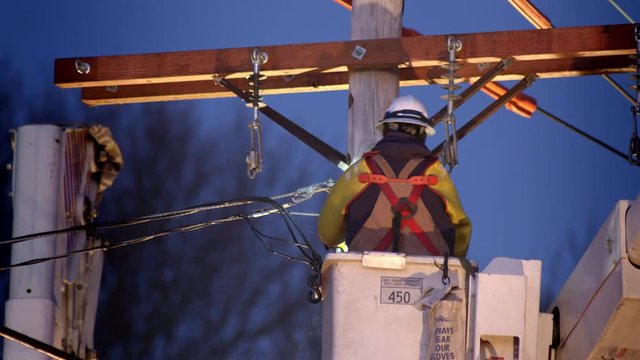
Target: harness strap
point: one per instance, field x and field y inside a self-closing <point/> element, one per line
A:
<point x="381" y="164"/>
<point x="378" y="165"/>
<point x="414" y="180"/>
<point x="409" y="167"/>
<point x="417" y="232"/>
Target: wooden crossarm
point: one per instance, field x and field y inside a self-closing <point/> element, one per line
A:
<point x="554" y="52"/>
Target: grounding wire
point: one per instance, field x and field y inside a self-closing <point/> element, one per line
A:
<point x="186" y="228"/>
<point x="298" y="196"/>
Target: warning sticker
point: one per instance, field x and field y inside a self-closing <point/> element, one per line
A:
<point x="399" y="290"/>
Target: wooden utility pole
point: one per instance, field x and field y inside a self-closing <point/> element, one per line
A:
<point x="371" y="91"/>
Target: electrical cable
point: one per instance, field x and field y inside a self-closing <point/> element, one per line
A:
<point x="314" y="260"/>
<point x="297" y="196"/>
<point x="299" y="213"/>
<point x="582" y="133"/>
<point x="290" y="222"/>
<point x="261" y="236"/>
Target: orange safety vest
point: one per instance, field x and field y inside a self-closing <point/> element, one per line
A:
<point x="399" y="221"/>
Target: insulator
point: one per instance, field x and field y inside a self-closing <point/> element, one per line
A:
<point x="260" y="104"/>
<point x="452" y="66"/>
<point x="452" y="76"/>
<point x="450" y="87"/>
<point x="251" y="96"/>
<point x="452" y="97"/>
<point x="260" y="78"/>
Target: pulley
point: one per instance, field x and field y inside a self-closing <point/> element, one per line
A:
<point x="450" y="151"/>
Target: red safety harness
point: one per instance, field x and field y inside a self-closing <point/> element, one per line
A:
<point x="403" y="208"/>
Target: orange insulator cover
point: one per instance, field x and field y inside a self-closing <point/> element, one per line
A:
<point x="522" y="104"/>
<point x="346" y="3"/>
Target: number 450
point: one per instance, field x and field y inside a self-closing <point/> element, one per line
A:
<point x="400" y="297"/>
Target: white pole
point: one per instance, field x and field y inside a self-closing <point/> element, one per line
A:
<point x="371" y="91"/>
<point x="633" y="232"/>
<point x="30" y="308"/>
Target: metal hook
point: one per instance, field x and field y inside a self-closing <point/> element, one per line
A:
<point x="82" y="67"/>
<point x="446" y="280"/>
<point x="259" y="57"/>
<point x="314" y="282"/>
<point x="453" y="44"/>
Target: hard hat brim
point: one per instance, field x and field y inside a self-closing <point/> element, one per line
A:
<point x="428" y="129"/>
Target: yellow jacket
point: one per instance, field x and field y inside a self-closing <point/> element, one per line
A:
<point x="331" y="224"/>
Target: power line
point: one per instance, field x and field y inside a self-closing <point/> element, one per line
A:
<point x="298" y="196"/>
<point x="582" y="133"/>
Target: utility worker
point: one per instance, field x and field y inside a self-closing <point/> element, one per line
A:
<point x="398" y="197"/>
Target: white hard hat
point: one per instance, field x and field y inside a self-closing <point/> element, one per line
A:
<point x="407" y="110"/>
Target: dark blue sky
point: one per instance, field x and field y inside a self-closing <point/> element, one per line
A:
<point x="532" y="189"/>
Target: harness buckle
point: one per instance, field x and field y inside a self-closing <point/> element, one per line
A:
<point x="404" y="208"/>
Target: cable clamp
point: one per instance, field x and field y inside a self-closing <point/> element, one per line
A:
<point x="305" y="193"/>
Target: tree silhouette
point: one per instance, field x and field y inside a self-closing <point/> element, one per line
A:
<point x="215" y="293"/>
<point x="7" y="120"/>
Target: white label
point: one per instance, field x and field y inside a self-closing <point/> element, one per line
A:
<point x="399" y="290"/>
